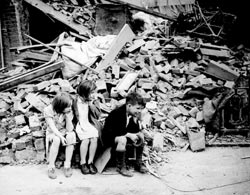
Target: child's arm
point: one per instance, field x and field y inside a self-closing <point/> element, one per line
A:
<point x="53" y="128"/>
<point x="69" y="119"/>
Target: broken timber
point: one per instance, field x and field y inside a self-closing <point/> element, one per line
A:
<point x="14" y="81"/>
<point x="221" y="71"/>
<point x="56" y="50"/>
<point x="67" y="20"/>
<point x="125" y="35"/>
<point x="143" y="10"/>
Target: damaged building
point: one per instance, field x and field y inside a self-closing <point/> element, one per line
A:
<point x="178" y="54"/>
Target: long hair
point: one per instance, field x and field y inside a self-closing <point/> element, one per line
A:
<point x="61" y="101"/>
<point x="85" y="88"/>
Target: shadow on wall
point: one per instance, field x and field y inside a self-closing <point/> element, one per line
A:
<point x="42" y="27"/>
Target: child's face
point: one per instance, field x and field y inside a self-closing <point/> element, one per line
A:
<point x="135" y="110"/>
<point x="67" y="109"/>
<point x="93" y="94"/>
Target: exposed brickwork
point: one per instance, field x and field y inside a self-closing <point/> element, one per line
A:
<point x="14" y="22"/>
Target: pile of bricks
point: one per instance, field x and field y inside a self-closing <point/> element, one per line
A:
<point x="163" y="69"/>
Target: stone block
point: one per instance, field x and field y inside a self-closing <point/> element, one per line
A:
<point x="39" y="144"/>
<point x="25" y="155"/>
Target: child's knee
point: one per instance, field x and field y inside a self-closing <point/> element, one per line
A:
<point x="85" y="142"/>
<point x="93" y="140"/>
<point x="71" y="138"/>
<point x="121" y="140"/>
<point x="56" y="141"/>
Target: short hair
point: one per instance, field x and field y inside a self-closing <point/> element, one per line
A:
<point x="85" y="88"/>
<point x="61" y="101"/>
<point x="134" y="98"/>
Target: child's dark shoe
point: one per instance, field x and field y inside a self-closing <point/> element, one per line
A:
<point x="92" y="169"/>
<point x="84" y="169"/>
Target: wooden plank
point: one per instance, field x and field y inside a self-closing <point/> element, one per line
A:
<point x="127" y="81"/>
<point x="174" y="2"/>
<point x="1" y="49"/>
<point x="215" y="52"/>
<point x="136" y="7"/>
<point x="13" y="82"/>
<point x="125" y="35"/>
<point x="21" y="48"/>
<point x="221" y="71"/>
<point x="67" y="20"/>
<point x="159" y="3"/>
<point x="103" y="159"/>
<point x="36" y="55"/>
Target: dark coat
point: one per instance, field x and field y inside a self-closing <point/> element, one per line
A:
<point x="116" y="125"/>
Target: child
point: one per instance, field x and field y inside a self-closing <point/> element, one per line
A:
<point x="58" y="116"/>
<point x="86" y="128"/>
<point x="122" y="129"/>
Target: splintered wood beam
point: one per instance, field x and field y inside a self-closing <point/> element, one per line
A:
<point x="14" y="81"/>
<point x="67" y="20"/>
<point x="136" y="7"/>
<point x="55" y="50"/>
<point x="126" y="35"/>
<point x="221" y="71"/>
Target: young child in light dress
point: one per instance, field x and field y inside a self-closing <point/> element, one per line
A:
<point x="86" y="130"/>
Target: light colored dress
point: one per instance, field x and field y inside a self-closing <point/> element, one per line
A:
<point x="84" y="128"/>
<point x="59" y="119"/>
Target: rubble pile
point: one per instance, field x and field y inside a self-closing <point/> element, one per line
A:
<point x="178" y="76"/>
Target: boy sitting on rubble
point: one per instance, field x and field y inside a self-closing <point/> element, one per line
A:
<point x="58" y="116"/>
<point x="122" y="129"/>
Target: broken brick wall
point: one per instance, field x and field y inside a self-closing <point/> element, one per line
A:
<point x="14" y="23"/>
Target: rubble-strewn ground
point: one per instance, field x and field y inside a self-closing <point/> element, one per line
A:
<point x="222" y="171"/>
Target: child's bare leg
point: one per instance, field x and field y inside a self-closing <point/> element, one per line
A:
<point x="54" y="148"/>
<point x="83" y="150"/>
<point x="92" y="149"/>
<point x="71" y="138"/>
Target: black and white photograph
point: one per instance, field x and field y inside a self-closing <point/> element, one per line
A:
<point x="124" y="97"/>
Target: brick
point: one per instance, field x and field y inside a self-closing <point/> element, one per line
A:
<point x="169" y="124"/>
<point x="196" y="140"/>
<point x="19" y="144"/>
<point x="38" y="134"/>
<point x="101" y="85"/>
<point x="34" y="122"/>
<point x="192" y="123"/>
<point x="42" y="85"/>
<point x="35" y="101"/>
<point x="158" y="142"/>
<point x="116" y="71"/>
<point x="6" y="156"/>
<point x="136" y="44"/>
<point x="199" y="116"/>
<point x="40" y="156"/>
<point x="25" y="155"/>
<point x="39" y="144"/>
<point x="193" y="112"/>
<point x="20" y="120"/>
<point x="183" y="110"/>
<point x="127" y="81"/>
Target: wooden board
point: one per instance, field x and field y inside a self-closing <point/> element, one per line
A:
<point x="126" y="35"/>
<point x="14" y="81"/>
<point x="67" y="20"/>
<point x="103" y="159"/>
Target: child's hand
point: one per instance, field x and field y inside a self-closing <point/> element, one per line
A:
<point x="133" y="137"/>
<point x="63" y="140"/>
